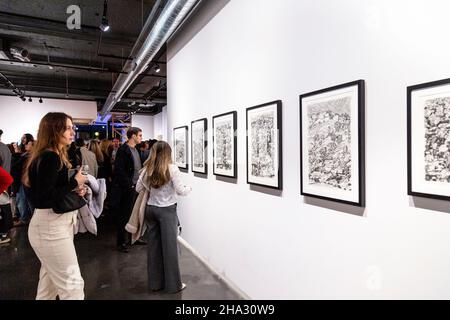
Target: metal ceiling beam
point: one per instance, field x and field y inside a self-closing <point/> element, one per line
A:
<point x="54" y="65"/>
<point x="152" y="92"/>
<point x="140" y="78"/>
<point x="67" y="66"/>
<point x="37" y="94"/>
<point x="14" y="24"/>
<point x="156" y="100"/>
<point x="48" y="86"/>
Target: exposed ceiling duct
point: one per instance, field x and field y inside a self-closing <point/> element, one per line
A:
<point x="170" y="18"/>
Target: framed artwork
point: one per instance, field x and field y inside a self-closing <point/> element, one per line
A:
<point x="332" y="157"/>
<point x="428" y="112"/>
<point x="264" y="148"/>
<point x="225" y="145"/>
<point x="180" y="137"/>
<point x="198" y="146"/>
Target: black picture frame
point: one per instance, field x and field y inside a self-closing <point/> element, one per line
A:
<point x="232" y="172"/>
<point x="204" y="145"/>
<point x="428" y="103"/>
<point x="176" y="147"/>
<point x="273" y="165"/>
<point x="329" y="181"/>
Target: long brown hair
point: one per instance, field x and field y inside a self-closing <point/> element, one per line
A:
<point x="105" y="146"/>
<point x="157" y="165"/>
<point x="94" y="146"/>
<point x="51" y="128"/>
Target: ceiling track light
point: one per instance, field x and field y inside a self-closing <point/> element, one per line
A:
<point x="15" y="90"/>
<point x="30" y="100"/>
<point x="67" y="85"/>
<point x="104" y="26"/>
<point x="157" y="68"/>
<point x="40" y="100"/>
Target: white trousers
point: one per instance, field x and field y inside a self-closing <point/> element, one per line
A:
<point x="51" y="237"/>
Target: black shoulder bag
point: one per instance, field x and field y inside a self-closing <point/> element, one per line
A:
<point x="70" y="202"/>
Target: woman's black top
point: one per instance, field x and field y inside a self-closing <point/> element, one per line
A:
<point x="48" y="181"/>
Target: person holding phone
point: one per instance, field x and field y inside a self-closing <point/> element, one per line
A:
<point x="47" y="181"/>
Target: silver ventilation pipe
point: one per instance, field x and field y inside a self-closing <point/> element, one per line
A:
<point x="170" y="18"/>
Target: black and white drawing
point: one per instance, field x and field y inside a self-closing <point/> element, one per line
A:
<point x="332" y="143"/>
<point x="199" y="145"/>
<point x="429" y="139"/>
<point x="180" y="146"/>
<point x="224" y="144"/>
<point x="329" y="143"/>
<point x="264" y="150"/>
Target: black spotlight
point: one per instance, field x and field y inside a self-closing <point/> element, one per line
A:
<point x="40" y="100"/>
<point x="30" y="100"/>
<point x="23" y="98"/>
<point x="157" y="68"/>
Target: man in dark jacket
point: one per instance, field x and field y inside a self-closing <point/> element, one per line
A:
<point x="126" y="173"/>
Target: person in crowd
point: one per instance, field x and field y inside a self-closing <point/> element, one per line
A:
<point x="5" y="207"/>
<point x="47" y="182"/>
<point x="116" y="146"/>
<point x="5" y="154"/>
<point x="11" y="147"/>
<point x="87" y="157"/>
<point x="144" y="149"/>
<point x="27" y="137"/>
<point x="94" y="147"/>
<point x="74" y="155"/>
<point x="24" y="210"/>
<point x="106" y="148"/>
<point x="126" y="173"/>
<point x="15" y="156"/>
<point x="162" y="179"/>
<point x="16" y="167"/>
<point x="151" y="142"/>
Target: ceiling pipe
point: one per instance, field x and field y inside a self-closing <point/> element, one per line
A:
<point x="170" y="18"/>
<point x="52" y="65"/>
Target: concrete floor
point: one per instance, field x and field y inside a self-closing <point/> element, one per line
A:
<point x="108" y="274"/>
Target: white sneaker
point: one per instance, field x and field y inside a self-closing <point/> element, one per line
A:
<point x="183" y="286"/>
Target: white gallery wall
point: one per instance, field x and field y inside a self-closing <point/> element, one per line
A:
<point x="160" y="125"/>
<point x="18" y="117"/>
<point x="153" y="127"/>
<point x="285" y="246"/>
<point x="145" y="123"/>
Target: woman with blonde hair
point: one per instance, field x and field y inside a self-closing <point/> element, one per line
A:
<point x="56" y="198"/>
<point x="106" y="147"/>
<point x="162" y="179"/>
<point x="94" y="146"/>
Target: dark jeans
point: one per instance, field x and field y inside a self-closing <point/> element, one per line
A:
<point x="6" y="222"/>
<point x="25" y="209"/>
<point x="162" y="248"/>
<point x="123" y="213"/>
